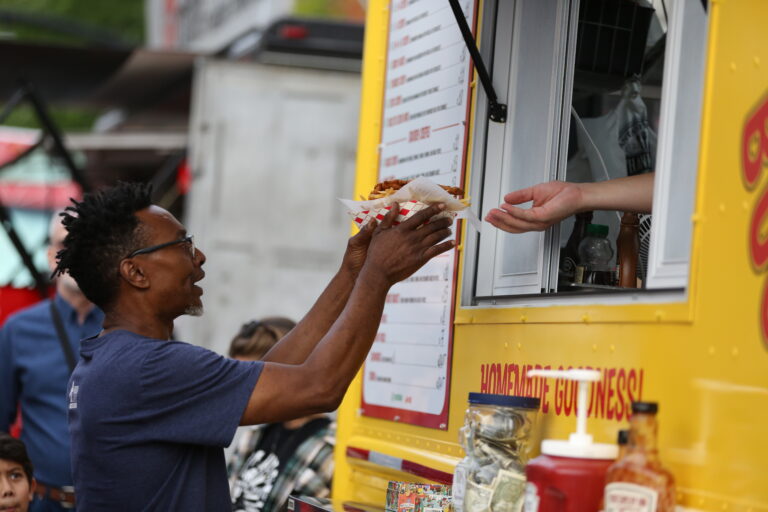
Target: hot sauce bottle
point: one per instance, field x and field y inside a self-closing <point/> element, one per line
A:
<point x="637" y="482"/>
<point x="569" y="475"/>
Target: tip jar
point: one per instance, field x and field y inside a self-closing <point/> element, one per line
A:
<point x="496" y="438"/>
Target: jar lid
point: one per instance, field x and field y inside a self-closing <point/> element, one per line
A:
<point x="645" y="407"/>
<point x="623" y="437"/>
<point x="524" y="402"/>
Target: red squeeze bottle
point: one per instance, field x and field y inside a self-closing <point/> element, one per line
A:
<point x="569" y="476"/>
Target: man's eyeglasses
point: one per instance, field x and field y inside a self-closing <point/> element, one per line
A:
<point x="189" y="240"/>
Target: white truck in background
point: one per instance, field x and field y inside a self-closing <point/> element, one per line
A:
<point x="271" y="148"/>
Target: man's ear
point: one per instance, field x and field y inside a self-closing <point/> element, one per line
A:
<point x="32" y="486"/>
<point x="133" y="272"/>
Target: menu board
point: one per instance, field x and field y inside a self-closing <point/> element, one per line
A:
<point x="424" y="133"/>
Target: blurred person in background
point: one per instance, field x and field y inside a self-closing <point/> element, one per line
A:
<point x="273" y="461"/>
<point x="39" y="347"/>
<point x="17" y="481"/>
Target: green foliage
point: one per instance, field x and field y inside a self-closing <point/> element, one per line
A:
<point x="66" y="118"/>
<point x="123" y="18"/>
<point x="319" y="8"/>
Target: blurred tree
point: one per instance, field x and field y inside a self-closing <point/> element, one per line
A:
<point x="66" y="118"/>
<point x="73" y="21"/>
<point x="70" y="22"/>
<point x="350" y="10"/>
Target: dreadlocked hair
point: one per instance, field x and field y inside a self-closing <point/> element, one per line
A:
<point x="101" y="231"/>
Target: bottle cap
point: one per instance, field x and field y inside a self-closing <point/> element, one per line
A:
<point x="645" y="407"/>
<point x="579" y="444"/>
<point x="623" y="437"/>
<point x="523" y="402"/>
<point x="597" y="229"/>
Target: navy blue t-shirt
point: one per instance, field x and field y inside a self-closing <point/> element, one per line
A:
<point x="149" y="419"/>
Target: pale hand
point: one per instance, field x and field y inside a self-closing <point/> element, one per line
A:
<point x="552" y="202"/>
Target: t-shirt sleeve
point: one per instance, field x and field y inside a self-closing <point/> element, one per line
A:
<point x="192" y="395"/>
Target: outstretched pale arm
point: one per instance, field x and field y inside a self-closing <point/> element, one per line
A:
<point x="555" y="200"/>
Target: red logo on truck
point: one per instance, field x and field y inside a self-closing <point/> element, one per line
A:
<point x="754" y="159"/>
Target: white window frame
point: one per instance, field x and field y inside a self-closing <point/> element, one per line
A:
<point x="677" y="155"/>
<point x="483" y="283"/>
<point x="510" y="145"/>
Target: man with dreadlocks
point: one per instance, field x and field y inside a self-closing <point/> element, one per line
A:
<point x="149" y="416"/>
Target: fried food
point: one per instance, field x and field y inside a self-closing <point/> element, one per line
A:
<point x="389" y="187"/>
<point x="454" y="191"/>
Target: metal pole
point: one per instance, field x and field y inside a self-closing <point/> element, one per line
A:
<point x="17" y="97"/>
<point x="497" y="111"/>
<point x="58" y="141"/>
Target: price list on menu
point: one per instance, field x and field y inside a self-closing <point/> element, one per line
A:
<point x="424" y="131"/>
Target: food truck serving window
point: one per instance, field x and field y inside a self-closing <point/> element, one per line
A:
<point x="595" y="90"/>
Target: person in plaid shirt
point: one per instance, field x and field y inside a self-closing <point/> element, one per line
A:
<point x="273" y="461"/>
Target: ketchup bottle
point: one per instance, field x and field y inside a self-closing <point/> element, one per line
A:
<point x="569" y="476"/>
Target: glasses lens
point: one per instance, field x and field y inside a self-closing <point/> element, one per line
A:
<point x="192" y="246"/>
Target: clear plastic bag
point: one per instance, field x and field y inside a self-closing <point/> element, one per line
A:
<point x="496" y="439"/>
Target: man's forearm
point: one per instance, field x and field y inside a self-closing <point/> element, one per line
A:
<point x="347" y="343"/>
<point x="301" y="341"/>
<point x="320" y="382"/>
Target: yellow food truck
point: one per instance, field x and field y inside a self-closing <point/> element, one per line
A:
<point x="579" y="90"/>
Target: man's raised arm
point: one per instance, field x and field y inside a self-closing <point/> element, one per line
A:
<point x="302" y="340"/>
<point x="318" y="384"/>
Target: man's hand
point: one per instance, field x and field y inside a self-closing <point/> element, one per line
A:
<point x="357" y="249"/>
<point x="552" y="202"/>
<point x="396" y="252"/>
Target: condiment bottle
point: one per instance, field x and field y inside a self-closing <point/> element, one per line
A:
<point x="595" y="256"/>
<point x="570" y="254"/>
<point x="569" y="476"/>
<point x="637" y="482"/>
<point x="628" y="248"/>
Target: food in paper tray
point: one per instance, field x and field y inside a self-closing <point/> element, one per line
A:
<point x="389" y="187"/>
<point x="412" y="197"/>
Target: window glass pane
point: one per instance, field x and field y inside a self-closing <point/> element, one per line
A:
<point x="677" y="162"/>
<point x="525" y="247"/>
<point x="614" y="122"/>
<point x="529" y="59"/>
<point x="609" y="90"/>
